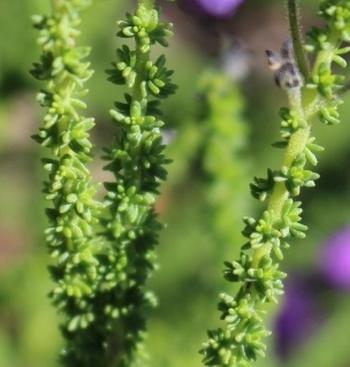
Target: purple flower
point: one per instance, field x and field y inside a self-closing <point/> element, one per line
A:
<point x="215" y="8"/>
<point x="303" y="309"/>
<point x="299" y="315"/>
<point x="335" y="259"/>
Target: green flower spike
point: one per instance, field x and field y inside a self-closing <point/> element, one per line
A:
<point x="224" y="136"/>
<point x="64" y="133"/>
<point x="137" y="161"/>
<point x="311" y="93"/>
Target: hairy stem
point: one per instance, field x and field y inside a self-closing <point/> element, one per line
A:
<point x="295" y="29"/>
<point x="280" y="194"/>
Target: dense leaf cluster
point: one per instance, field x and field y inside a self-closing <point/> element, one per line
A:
<point x="73" y="212"/>
<point x="223" y="133"/>
<point x="100" y="278"/>
<point x="137" y="161"/>
<point x="241" y="339"/>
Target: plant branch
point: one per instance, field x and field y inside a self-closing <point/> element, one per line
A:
<point x="280" y="193"/>
<point x="295" y="30"/>
<point x="137" y="161"/>
<point x="257" y="269"/>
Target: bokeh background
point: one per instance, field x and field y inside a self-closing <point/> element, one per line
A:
<point x="312" y="322"/>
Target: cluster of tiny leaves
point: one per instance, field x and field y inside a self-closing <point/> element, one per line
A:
<point x="224" y="137"/>
<point x="100" y="278"/>
<point x="73" y="212"/>
<point x="241" y="340"/>
<point x="137" y="161"/>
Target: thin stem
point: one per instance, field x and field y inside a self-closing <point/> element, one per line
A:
<point x="142" y="58"/>
<point x="295" y="30"/>
<point x="280" y="194"/>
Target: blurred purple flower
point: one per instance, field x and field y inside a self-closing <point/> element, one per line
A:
<point x="335" y="259"/>
<point x="303" y="309"/>
<point x="299" y="316"/>
<point x="215" y="8"/>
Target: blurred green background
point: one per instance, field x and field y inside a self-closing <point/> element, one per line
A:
<point x="190" y="253"/>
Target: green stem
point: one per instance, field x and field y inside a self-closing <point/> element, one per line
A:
<point x="299" y="139"/>
<point x="142" y="58"/>
<point x="295" y="29"/>
<point x="280" y="194"/>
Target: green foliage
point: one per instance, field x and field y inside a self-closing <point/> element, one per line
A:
<point x="73" y="212"/>
<point x="224" y="136"/>
<point x="137" y="161"/>
<point x="241" y="339"/>
<point x="101" y="278"/>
